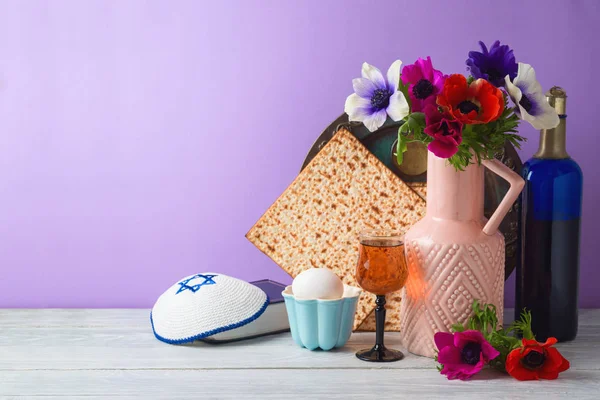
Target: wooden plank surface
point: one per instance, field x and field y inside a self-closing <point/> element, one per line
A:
<point x="291" y="384"/>
<point x="113" y="354"/>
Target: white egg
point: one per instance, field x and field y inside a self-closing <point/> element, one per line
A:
<point x="317" y="283"/>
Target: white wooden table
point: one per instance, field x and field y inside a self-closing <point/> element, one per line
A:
<point x="83" y="354"/>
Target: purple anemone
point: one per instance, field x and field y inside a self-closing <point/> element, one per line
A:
<point x="463" y="354"/>
<point x="493" y="65"/>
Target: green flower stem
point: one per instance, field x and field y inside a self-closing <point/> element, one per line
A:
<point x="505" y="340"/>
<point x="411" y="130"/>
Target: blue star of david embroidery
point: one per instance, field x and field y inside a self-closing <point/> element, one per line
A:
<point x="208" y="280"/>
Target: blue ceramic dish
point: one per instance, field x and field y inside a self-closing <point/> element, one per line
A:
<point x="324" y="324"/>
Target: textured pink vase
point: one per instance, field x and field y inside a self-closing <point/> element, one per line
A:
<point x="454" y="254"/>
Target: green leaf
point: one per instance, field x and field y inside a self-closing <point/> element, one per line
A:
<point x="485" y="320"/>
<point x="404" y="89"/>
<point x="411" y="130"/>
<point x="404" y="129"/>
<point x="401" y="146"/>
<point x="418" y="119"/>
<point x="522" y="326"/>
<point x="486" y="140"/>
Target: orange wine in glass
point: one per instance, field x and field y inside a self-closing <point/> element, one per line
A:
<point x="381" y="269"/>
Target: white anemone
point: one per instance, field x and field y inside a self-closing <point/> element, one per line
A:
<point x="376" y="97"/>
<point x="526" y="92"/>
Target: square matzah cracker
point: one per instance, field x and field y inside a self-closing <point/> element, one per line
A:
<point x="316" y="221"/>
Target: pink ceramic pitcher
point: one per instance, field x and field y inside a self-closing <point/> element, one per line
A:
<point x="454" y="255"/>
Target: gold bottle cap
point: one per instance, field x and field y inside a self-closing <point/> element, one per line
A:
<point x="552" y="141"/>
<point x="557" y="98"/>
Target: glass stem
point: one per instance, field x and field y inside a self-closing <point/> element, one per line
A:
<point x="379" y="321"/>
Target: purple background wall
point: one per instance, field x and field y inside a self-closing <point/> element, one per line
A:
<point x="140" y="140"/>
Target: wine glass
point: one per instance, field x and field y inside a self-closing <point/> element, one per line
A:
<point x="381" y="269"/>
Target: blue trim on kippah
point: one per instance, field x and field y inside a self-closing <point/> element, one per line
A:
<point x="211" y="332"/>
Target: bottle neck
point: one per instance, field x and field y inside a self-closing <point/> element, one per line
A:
<point x="553" y="142"/>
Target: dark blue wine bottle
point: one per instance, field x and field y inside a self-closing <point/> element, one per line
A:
<point x="548" y="277"/>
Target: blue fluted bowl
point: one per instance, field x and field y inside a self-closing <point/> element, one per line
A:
<point x="324" y="324"/>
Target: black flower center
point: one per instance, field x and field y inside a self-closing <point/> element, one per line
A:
<point x="467" y="106"/>
<point x="470" y="354"/>
<point x="444" y="128"/>
<point x="380" y="99"/>
<point x="534" y="359"/>
<point x="494" y="75"/>
<point x="423" y="89"/>
<point x="526" y="103"/>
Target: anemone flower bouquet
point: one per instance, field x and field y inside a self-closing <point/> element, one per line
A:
<point x="464" y="119"/>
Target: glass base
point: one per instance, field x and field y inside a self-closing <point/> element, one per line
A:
<point x="380" y="354"/>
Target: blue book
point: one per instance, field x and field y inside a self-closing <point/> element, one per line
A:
<point x="273" y="320"/>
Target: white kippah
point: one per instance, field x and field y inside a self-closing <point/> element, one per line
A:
<point x="205" y="304"/>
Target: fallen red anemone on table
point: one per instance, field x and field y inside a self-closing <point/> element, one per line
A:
<point x="536" y="361"/>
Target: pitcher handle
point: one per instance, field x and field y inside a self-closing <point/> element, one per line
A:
<point x="516" y="185"/>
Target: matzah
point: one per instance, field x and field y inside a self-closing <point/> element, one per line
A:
<point x="420" y="188"/>
<point x="317" y="220"/>
<point x="392" y="318"/>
